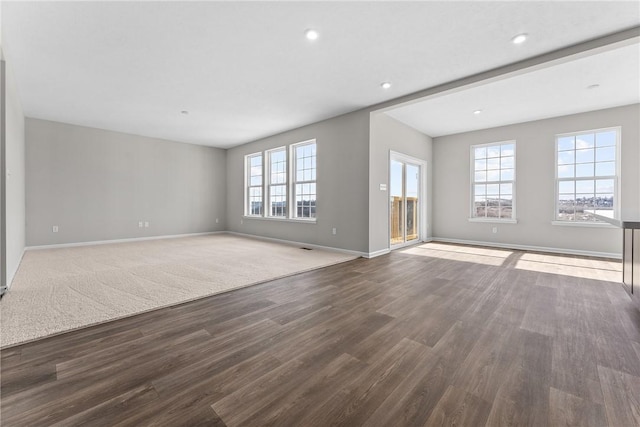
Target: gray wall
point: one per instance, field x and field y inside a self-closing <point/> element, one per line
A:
<point x="342" y="183"/>
<point x="535" y="185"/>
<point x="97" y="185"/>
<point x="15" y="176"/>
<point x="387" y="134"/>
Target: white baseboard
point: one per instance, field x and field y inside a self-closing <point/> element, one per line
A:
<point x="531" y="248"/>
<point x="307" y="245"/>
<point x="377" y="253"/>
<point x="107" y="242"/>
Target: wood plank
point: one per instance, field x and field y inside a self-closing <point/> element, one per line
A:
<point x="621" y="393"/>
<point x="459" y="408"/>
<point x="568" y="410"/>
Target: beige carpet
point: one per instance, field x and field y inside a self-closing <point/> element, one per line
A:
<point x="57" y="290"/>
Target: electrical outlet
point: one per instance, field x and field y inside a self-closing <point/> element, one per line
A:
<point x="146" y="224"/>
<point x="54" y="228"/>
<point x="494" y="230"/>
<point x="217" y="220"/>
<point x="140" y="224"/>
<point x="334" y="231"/>
<point x="241" y="222"/>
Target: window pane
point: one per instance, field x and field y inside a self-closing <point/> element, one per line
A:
<point x="507" y="150"/>
<point x="480" y="190"/>
<point x="480" y="153"/>
<point x="493" y="208"/>
<point x="566" y="171"/>
<point x="606" y="169"/>
<point x="584" y="156"/>
<point x="584" y="200"/>
<point x="585" y="186"/>
<point x="493" y="151"/>
<point x="606" y="138"/>
<point x="493" y="163"/>
<point x="507" y="175"/>
<point x="493" y="189"/>
<point x="605" y="154"/>
<point x="480" y="176"/>
<point x="566" y="143"/>
<point x="256" y="161"/>
<point x="493" y="175"/>
<point x="567" y="187"/>
<point x="566" y="157"/>
<point x="506" y="189"/>
<point x="604" y="201"/>
<point x="506" y="208"/>
<point x="585" y="141"/>
<point x="585" y="169"/>
<point x="506" y="162"/>
<point x="482" y="200"/>
<point x="604" y="186"/>
<point x="480" y="165"/>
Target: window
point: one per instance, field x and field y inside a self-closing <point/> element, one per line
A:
<point x="304" y="155"/>
<point x="285" y="183"/>
<point x="254" y="184"/>
<point x="587" y="175"/>
<point x="278" y="182"/>
<point x="493" y="181"/>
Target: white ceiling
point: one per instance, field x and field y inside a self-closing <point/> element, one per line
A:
<point x="244" y="69"/>
<point x="549" y="92"/>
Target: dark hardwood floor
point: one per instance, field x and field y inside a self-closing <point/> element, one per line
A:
<point x="413" y="338"/>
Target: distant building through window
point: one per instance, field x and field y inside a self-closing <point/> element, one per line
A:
<point x="587" y="175"/>
<point x="493" y="181"/>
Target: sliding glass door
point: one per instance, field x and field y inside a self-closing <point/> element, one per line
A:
<point x="404" y="203"/>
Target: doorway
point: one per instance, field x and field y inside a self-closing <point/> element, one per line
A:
<point x="405" y="200"/>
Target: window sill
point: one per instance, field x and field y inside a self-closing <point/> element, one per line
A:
<point x="493" y="220"/>
<point x="583" y="224"/>
<point x="276" y="219"/>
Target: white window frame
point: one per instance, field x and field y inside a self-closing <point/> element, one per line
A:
<point x="290" y="184"/>
<point x="269" y="184"/>
<point x="616" y="179"/>
<point x="294" y="207"/>
<point x="248" y="186"/>
<point x="472" y="210"/>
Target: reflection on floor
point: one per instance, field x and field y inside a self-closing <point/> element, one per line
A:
<point x="609" y="270"/>
<point x="479" y="255"/>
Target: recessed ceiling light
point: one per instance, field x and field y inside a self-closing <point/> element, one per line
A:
<point x="594" y="86"/>
<point x="520" y="38"/>
<point x="385" y="85"/>
<point x="477" y="112"/>
<point x="185" y="112"/>
<point x="311" y="34"/>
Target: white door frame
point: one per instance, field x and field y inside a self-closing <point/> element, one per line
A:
<point x="422" y="203"/>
